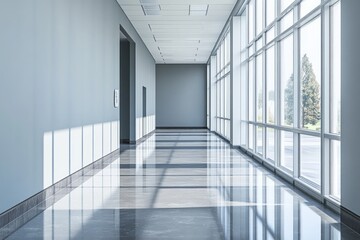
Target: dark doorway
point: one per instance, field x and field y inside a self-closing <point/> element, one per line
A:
<point x="144" y="113"/>
<point x="127" y="88"/>
<point x="144" y="103"/>
<point x="124" y="89"/>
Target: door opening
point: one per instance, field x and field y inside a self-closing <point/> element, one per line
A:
<point x="144" y="115"/>
<point x="127" y="88"/>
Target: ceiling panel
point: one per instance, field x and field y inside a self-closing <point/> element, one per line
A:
<point x="178" y="31"/>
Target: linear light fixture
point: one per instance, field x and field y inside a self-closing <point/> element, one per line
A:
<point x="198" y="9"/>
<point x="151" y="7"/>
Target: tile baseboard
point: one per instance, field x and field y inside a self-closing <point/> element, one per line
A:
<point x="350" y="219"/>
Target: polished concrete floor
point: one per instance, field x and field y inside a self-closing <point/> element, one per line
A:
<point x="184" y="184"/>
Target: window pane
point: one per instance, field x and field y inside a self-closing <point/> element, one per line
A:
<point x="222" y="57"/>
<point x="270" y="137"/>
<point x="251" y="20"/>
<point x="259" y="140"/>
<point x="251" y="136"/>
<point x="287" y="21"/>
<point x="243" y="130"/>
<point x="227" y="44"/>
<point x="228" y="129"/>
<point x="307" y="6"/>
<point x="270" y="78"/>
<point x="244" y="92"/>
<point x="222" y="83"/>
<point x="243" y="28"/>
<point x="259" y="88"/>
<point x="310" y="158"/>
<point x="335" y="94"/>
<point x="310" y="60"/>
<point x="259" y="44"/>
<point x="270" y="11"/>
<point x="217" y="100"/>
<point x="335" y="168"/>
<point x="270" y="35"/>
<point x="251" y="49"/>
<point x="284" y="4"/>
<point x="287" y="81"/>
<point x="259" y="16"/>
<point x="227" y="95"/>
<point x="287" y="150"/>
<point x="219" y="125"/>
<point x="222" y="127"/>
<point x="251" y="90"/>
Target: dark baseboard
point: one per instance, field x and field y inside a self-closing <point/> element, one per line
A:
<point x="144" y="138"/>
<point x="350" y="219"/>
<point x="125" y="141"/>
<point x="17" y="216"/>
<point x="181" y="128"/>
<point x="140" y="140"/>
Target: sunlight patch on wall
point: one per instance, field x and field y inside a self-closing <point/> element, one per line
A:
<point x="66" y="151"/>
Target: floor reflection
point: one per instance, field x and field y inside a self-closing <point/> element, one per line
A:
<point x="183" y="184"/>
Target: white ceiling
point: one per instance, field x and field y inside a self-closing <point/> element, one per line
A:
<point x="179" y="31"/>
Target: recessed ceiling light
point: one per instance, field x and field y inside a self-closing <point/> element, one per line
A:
<point x="151" y="7"/>
<point x="198" y="10"/>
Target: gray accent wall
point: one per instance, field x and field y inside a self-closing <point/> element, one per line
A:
<point x="181" y="95"/>
<point x="59" y="66"/>
<point x="350" y="130"/>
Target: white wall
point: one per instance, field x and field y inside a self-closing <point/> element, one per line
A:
<point x="59" y="65"/>
<point x="181" y="95"/>
<point x="350" y="130"/>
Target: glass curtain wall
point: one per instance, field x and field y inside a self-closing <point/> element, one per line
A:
<point x="290" y="86"/>
<point x="223" y="88"/>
